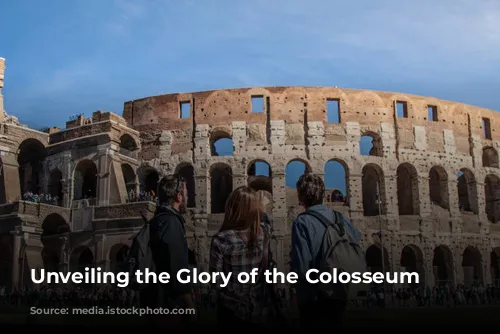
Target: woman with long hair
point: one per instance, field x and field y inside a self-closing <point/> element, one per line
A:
<point x="240" y="246"/>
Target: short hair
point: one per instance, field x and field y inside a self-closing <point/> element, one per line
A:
<point x="169" y="187"/>
<point x="310" y="189"/>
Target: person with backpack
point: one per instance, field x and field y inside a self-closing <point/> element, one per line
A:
<point x="322" y="239"/>
<point x="241" y="245"/>
<point x="165" y="249"/>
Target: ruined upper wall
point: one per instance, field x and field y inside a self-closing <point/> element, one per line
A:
<point x="300" y="105"/>
<point x="99" y="123"/>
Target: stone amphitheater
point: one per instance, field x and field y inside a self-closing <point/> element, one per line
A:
<point x="425" y="196"/>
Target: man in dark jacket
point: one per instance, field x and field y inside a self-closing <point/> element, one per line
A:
<point x="170" y="250"/>
<point x="307" y="237"/>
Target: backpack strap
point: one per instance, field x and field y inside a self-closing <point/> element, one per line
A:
<point x="162" y="230"/>
<point x="338" y="221"/>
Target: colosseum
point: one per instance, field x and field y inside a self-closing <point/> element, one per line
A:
<point x="425" y="195"/>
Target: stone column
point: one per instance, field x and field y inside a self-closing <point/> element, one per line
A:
<point x="355" y="198"/>
<point x="454" y="200"/>
<point x="486" y="266"/>
<point x="10" y="174"/>
<point x="67" y="180"/>
<point x="429" y="269"/>
<point x="239" y="175"/>
<point x="16" y="259"/>
<point x="239" y="137"/>
<point x="26" y="254"/>
<point x="395" y="250"/>
<point x="200" y="217"/>
<point x="316" y="139"/>
<point x="453" y="203"/>
<point x="202" y="181"/>
<point x="65" y="256"/>
<point x="481" y="202"/>
<point x="101" y="251"/>
<point x="103" y="179"/>
<point x="165" y="147"/>
<point x="425" y="209"/>
<point x="392" y="210"/>
<point x="280" y="213"/>
<point x="458" y="257"/>
<point x="202" y="242"/>
<point x="202" y="142"/>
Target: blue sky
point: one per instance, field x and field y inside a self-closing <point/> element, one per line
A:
<point x="69" y="57"/>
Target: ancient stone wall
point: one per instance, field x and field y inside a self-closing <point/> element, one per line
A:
<point x="435" y="162"/>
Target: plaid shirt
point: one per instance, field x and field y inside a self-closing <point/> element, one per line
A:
<point x="229" y="254"/>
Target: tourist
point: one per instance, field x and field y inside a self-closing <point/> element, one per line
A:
<point x="170" y="252"/>
<point x="307" y="237"/>
<point x="238" y="247"/>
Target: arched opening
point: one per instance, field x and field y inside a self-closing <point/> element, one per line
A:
<point x="85" y="180"/>
<point x="373" y="188"/>
<point x="259" y="176"/>
<point x="129" y="179"/>
<point x="336" y="181"/>
<point x="55" y="232"/>
<point x="118" y="258"/>
<point x="30" y="158"/>
<point x="127" y="144"/>
<point x="221" y="144"/>
<point x="408" y="194"/>
<point x="5" y="264"/>
<point x="294" y="170"/>
<point x="467" y="192"/>
<point x="371" y="144"/>
<point x="374" y="261"/>
<point x="438" y="187"/>
<point x="54" y="224"/>
<point x="55" y="186"/>
<point x="443" y="265"/>
<point x="221" y="181"/>
<point x="492" y="197"/>
<point x="187" y="173"/>
<point x="149" y="178"/>
<point x="472" y="266"/>
<point x="490" y="157"/>
<point x="495" y="266"/>
<point x="412" y="260"/>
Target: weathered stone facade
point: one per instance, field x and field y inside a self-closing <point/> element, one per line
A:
<point x="433" y="220"/>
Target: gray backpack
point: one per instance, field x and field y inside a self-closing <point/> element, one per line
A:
<point x="339" y="250"/>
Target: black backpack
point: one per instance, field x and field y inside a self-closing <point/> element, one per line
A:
<point x="340" y="250"/>
<point x="140" y="256"/>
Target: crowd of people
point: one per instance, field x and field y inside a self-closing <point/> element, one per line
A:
<point x="206" y="297"/>
<point x="442" y="295"/>
<point x="40" y="198"/>
<point x="142" y="196"/>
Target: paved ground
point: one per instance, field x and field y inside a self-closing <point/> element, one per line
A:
<point x="445" y="319"/>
